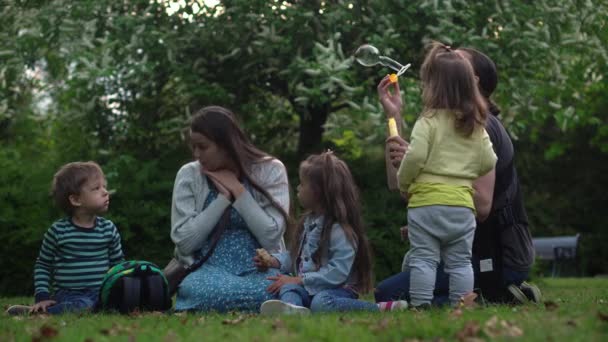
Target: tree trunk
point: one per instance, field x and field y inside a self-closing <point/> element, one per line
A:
<point x="311" y="131"/>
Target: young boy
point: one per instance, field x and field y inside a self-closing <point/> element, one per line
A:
<point x="78" y="250"/>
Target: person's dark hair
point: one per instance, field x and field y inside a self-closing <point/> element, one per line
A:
<point x="220" y="126"/>
<point x="449" y="83"/>
<point x="335" y="190"/>
<point x="486" y="70"/>
<point x="69" y="181"/>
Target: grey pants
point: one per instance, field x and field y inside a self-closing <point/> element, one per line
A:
<point x="440" y="233"/>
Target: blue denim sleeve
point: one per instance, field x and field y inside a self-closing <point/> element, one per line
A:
<point x="285" y="261"/>
<point x="336" y="271"/>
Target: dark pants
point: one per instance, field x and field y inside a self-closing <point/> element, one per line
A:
<point x="397" y="287"/>
<point x="73" y="301"/>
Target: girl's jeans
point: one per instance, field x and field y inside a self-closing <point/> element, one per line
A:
<point x="338" y="299"/>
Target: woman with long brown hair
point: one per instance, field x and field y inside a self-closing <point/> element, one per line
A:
<point x="231" y="200"/>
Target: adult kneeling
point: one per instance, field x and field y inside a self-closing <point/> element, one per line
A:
<point x="231" y="200"/>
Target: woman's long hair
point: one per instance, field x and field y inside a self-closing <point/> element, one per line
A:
<point x="220" y="126"/>
<point x="486" y="70"/>
<point x="336" y="193"/>
<point x="449" y="83"/>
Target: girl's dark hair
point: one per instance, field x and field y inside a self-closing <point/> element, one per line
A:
<point x="220" y="126"/>
<point x="485" y="69"/>
<point x="335" y="190"/>
<point x="449" y="83"/>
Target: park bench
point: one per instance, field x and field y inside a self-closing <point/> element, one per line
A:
<point x="557" y="249"/>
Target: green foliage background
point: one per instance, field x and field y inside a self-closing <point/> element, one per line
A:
<point x="116" y="81"/>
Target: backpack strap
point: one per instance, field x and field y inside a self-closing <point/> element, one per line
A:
<point x="131" y="296"/>
<point x="219" y="229"/>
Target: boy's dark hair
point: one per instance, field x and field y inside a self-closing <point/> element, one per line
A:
<point x="69" y="180"/>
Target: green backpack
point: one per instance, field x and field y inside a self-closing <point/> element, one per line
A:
<point x="134" y="286"/>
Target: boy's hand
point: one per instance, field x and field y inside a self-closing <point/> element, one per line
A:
<point x="42" y="306"/>
<point x="280" y="280"/>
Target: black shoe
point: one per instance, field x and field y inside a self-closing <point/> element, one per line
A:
<point x="532" y="292"/>
<point x="519" y="297"/>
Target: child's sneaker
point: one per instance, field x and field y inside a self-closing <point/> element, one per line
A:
<point x="275" y="307"/>
<point x="17" y="310"/>
<point x="393" y="305"/>
<point x="531" y="291"/>
<point x="520" y="297"/>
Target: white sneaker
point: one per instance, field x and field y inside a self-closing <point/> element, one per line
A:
<point x="277" y="307"/>
<point x="17" y="310"/>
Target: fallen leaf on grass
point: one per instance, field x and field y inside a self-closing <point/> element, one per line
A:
<point x="382" y="325"/>
<point x="113" y="331"/>
<point x="171" y="336"/>
<point x="511" y="329"/>
<point x="117" y="330"/>
<point x="497" y="328"/>
<point x="468" y="300"/>
<point x="456" y="313"/>
<point x="48" y="332"/>
<point x="344" y="320"/>
<point x="550" y="306"/>
<point x="135" y="313"/>
<point x="469" y="332"/>
<point x="375" y="326"/>
<point x="237" y="320"/>
<point x="602" y="316"/>
<point x="278" y="325"/>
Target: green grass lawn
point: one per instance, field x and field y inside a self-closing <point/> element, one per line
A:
<point x="573" y="310"/>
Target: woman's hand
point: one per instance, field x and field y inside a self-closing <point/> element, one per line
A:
<point x="257" y="261"/>
<point x="404" y="236"/>
<point x="226" y="182"/>
<point x="42" y="306"/>
<point x="280" y="280"/>
<point x="397" y="147"/>
<point x="391" y="103"/>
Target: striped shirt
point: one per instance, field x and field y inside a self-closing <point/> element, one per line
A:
<point x="73" y="257"/>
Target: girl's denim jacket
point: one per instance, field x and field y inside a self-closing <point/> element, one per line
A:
<point x="335" y="269"/>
